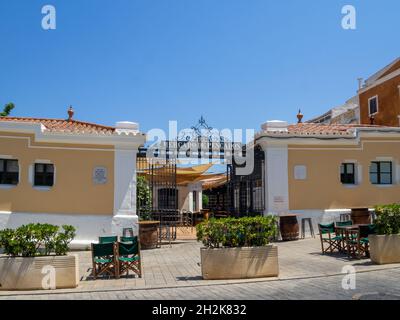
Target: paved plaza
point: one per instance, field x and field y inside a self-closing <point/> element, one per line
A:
<point x="173" y="272"/>
<point x="381" y="284"/>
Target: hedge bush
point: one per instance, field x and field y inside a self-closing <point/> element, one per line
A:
<point x="387" y="219"/>
<point x="237" y="232"/>
<point x="36" y="239"/>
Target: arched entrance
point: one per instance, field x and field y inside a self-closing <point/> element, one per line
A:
<point x="177" y="190"/>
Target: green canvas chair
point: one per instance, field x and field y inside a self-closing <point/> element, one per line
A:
<point x="128" y="239"/>
<point x="358" y="244"/>
<point x="344" y="223"/>
<point x="327" y="236"/>
<point x="108" y="239"/>
<point x="104" y="260"/>
<point x="341" y="235"/>
<point x="129" y="258"/>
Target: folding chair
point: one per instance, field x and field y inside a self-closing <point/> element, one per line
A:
<point x="129" y="257"/>
<point x="327" y="235"/>
<point x="104" y="259"/>
<point x="344" y="223"/>
<point x="128" y="239"/>
<point x="358" y="242"/>
<point x="127" y="232"/>
<point x="108" y="239"/>
<point x="344" y="217"/>
<point x="341" y="233"/>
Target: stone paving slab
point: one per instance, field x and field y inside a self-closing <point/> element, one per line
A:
<point x="179" y="266"/>
<point x="370" y="285"/>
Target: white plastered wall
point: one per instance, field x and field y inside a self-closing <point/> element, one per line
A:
<point x="276" y="177"/>
<point x="88" y="227"/>
<point x="124" y="191"/>
<point x="276" y="181"/>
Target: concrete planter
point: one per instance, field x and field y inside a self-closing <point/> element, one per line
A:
<point x="31" y="273"/>
<point x="239" y="263"/>
<point x="384" y="248"/>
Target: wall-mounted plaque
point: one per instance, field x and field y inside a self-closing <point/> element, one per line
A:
<point x="100" y="175"/>
<point x="300" y="172"/>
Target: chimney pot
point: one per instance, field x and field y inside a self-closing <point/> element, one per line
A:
<point x="360" y="83"/>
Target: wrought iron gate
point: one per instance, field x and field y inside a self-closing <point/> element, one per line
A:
<point x="247" y="192"/>
<point x="242" y="194"/>
<point x="161" y="202"/>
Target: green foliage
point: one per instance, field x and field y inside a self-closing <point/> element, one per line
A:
<point x="388" y="219"/>
<point x="36" y="239"/>
<point x="254" y="214"/>
<point x="241" y="232"/>
<point x="63" y="239"/>
<point x="143" y="195"/>
<point x="7" y="109"/>
<point x="205" y="200"/>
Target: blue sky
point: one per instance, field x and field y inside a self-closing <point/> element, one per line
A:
<point x="238" y="63"/>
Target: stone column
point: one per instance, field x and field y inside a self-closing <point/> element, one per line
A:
<point x="125" y="184"/>
<point x="124" y="191"/>
<point x="197" y="186"/>
<point x="276" y="176"/>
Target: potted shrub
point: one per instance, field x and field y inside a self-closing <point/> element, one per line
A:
<point x="238" y="248"/>
<point x="385" y="244"/>
<point x="36" y="258"/>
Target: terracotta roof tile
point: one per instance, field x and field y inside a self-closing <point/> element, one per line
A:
<point x="319" y="129"/>
<point x="60" y="125"/>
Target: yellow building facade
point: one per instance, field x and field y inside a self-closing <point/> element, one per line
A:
<point x="320" y="171"/>
<point x="69" y="172"/>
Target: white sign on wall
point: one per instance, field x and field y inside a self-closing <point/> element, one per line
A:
<point x="300" y="172"/>
<point x="279" y="204"/>
<point x="100" y="175"/>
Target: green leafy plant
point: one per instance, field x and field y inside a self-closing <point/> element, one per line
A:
<point x="63" y="239"/>
<point x="237" y="232"/>
<point x="143" y="195"/>
<point x="36" y="239"/>
<point x="205" y="200"/>
<point x="7" y="109"/>
<point x="388" y="219"/>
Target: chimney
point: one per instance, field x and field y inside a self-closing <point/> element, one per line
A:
<point x="360" y="83"/>
<point x="70" y="113"/>
<point x="127" y="127"/>
<point x="299" y="117"/>
<point x="275" y="126"/>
